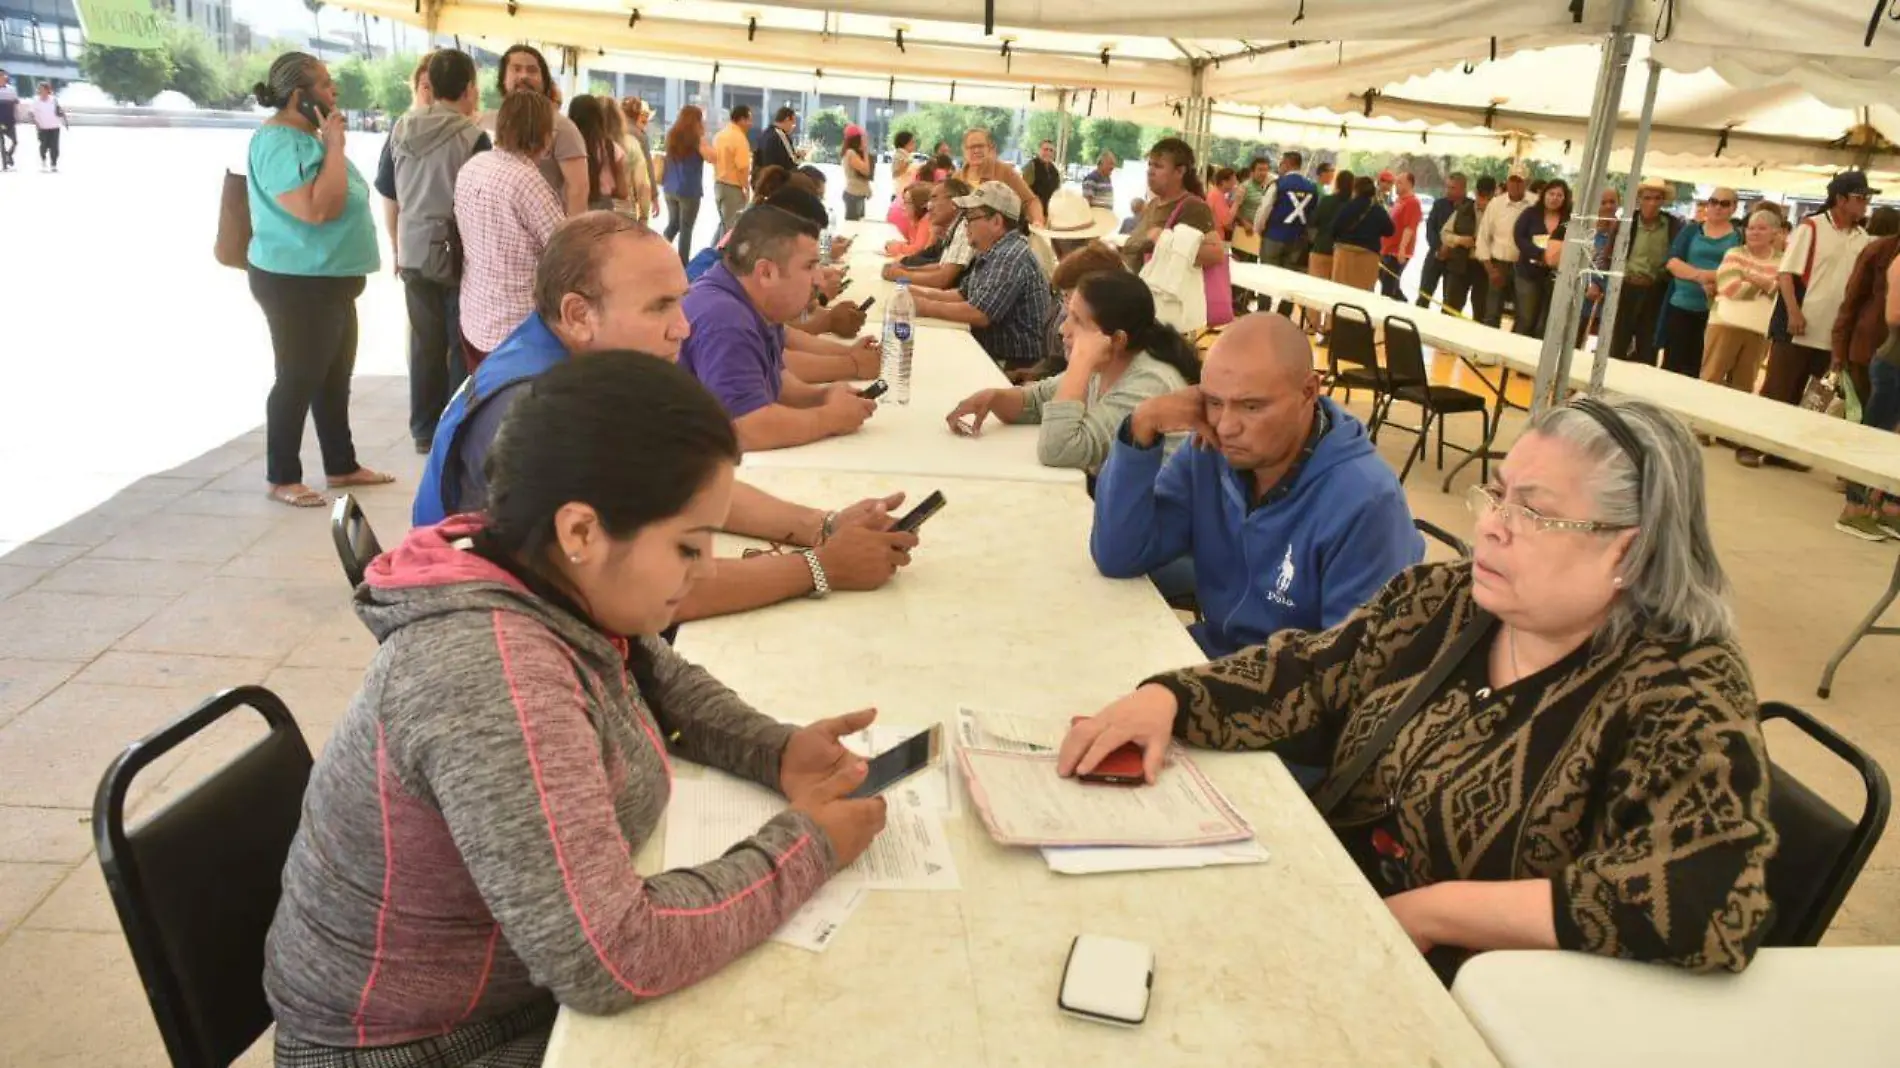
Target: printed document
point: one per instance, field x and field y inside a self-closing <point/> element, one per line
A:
<point x="1008" y="733"/>
<point x="1024" y="802"/>
<point x="708" y="815"/>
<point x="1092" y="860"/>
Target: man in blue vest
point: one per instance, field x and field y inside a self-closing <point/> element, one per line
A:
<point x="609" y="283"/>
<point x="1290" y="516"/>
<point x="1286" y="210"/>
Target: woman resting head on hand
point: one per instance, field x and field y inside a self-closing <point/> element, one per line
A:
<point x="1582" y="767"/>
<point x="465" y="861"/>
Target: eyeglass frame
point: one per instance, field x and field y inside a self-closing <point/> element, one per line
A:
<point x="1482" y="500"/>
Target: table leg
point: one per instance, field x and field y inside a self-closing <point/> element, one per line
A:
<point x="1868" y="626"/>
<point x="1483" y="451"/>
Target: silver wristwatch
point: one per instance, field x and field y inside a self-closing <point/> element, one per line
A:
<point x="820" y="586"/>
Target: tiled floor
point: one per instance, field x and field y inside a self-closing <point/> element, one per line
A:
<point x="189" y="581"/>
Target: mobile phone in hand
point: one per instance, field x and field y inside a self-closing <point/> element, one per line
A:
<point x="868" y="301"/>
<point x="1123" y="767"/>
<point x="874" y="390"/>
<point x="915" y="517"/>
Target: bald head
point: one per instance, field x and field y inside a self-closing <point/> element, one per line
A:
<point x="1260" y="388"/>
<point x="1265" y="341"/>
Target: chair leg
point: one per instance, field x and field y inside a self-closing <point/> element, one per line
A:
<point x="1441" y="443"/>
<point x="1418" y="448"/>
<point x="1484" y="458"/>
<point x="1378" y="418"/>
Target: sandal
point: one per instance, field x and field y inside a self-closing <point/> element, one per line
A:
<point x="362" y="476"/>
<point x="298" y="495"/>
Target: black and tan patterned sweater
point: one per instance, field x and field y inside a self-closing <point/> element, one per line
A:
<point x="1632" y="777"/>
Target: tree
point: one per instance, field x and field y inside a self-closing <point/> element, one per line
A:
<point x="390" y="86"/>
<point x="1111" y="135"/>
<point x="196" y="69"/>
<point x="927" y="125"/>
<point x="352" y="80"/>
<point x="1000" y="122"/>
<point x="600" y="87"/>
<point x="1045" y="126"/>
<point x="826" y="127"/>
<point x="129" y="75"/>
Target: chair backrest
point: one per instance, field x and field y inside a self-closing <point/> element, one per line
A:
<point x="1351" y="340"/>
<point x="1404" y="353"/>
<point x="1822" y="851"/>
<point x="356" y="543"/>
<point x="197" y="884"/>
<point x="1444" y="537"/>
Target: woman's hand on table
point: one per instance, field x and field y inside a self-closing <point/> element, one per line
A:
<point x="1145" y="717"/>
<point x="967" y="418"/>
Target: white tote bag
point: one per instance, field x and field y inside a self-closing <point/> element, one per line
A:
<point x="1175" y="279"/>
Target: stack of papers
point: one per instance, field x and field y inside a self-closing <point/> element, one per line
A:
<point x="1182" y="821"/>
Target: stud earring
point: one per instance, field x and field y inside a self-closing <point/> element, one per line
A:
<point x="575" y="558"/>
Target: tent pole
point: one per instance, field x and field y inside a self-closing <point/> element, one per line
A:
<point x="1613" y="284"/>
<point x="1062" y="129"/>
<point x="1197" y="115"/>
<point x="1553" y="364"/>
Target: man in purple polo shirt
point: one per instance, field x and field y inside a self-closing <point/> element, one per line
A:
<point x="738" y="311"/>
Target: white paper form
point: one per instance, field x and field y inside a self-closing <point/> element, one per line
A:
<point x="1024" y="802"/>
<point x="815" y="925"/>
<point x="1093" y="860"/>
<point x="1002" y="731"/>
<point x="708" y="814"/>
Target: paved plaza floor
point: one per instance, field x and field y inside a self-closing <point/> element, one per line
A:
<point x="141" y="567"/>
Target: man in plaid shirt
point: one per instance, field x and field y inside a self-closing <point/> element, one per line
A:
<point x="1005" y="296"/>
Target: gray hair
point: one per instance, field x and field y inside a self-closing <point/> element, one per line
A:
<point x="288" y="73"/>
<point x="1673" y="585"/>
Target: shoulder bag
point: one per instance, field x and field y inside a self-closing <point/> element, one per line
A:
<point x="233" y="243"/>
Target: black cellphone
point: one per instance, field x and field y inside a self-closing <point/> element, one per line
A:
<point x="312" y="111"/>
<point x="874" y="390"/>
<point x="915" y="517"/>
<point x="868" y="301"/>
<point x="900" y="762"/>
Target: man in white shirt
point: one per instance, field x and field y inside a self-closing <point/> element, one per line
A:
<point x="1813" y="282"/>
<point x="1497" y="242"/>
<point x="48" y="119"/>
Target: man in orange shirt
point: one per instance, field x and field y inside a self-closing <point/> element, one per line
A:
<point x="732" y="169"/>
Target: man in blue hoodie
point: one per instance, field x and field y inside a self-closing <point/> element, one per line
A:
<point x="1291" y="518"/>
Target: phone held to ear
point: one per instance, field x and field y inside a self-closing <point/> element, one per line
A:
<point x="313" y="112"/>
<point x="915" y="517"/>
<point x="1120" y="768"/>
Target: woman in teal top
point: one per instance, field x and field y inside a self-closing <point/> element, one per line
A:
<point x="312" y="244"/>
<point x="1694" y="258"/>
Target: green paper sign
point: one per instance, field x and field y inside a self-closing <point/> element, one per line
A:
<point x="122" y="23"/>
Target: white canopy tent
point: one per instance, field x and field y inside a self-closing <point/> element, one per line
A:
<point x="1192" y="54"/>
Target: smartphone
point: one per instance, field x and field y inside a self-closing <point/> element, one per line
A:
<point x="868" y="301"/>
<point x="874" y="390"/>
<point x="915" y="517"/>
<point x="1119" y="768"/>
<point x="900" y="762"/>
<point x="313" y="112"/>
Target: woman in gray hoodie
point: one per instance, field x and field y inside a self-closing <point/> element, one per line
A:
<point x="465" y="860"/>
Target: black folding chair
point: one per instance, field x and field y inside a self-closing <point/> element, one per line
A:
<point x="1822" y="851"/>
<point x="356" y="543"/>
<point x="1352" y="356"/>
<point x="1408" y="380"/>
<point x="197" y="884"/>
<point x="1443" y="537"/>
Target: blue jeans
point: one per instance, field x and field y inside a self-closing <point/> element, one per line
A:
<point x="1880" y="409"/>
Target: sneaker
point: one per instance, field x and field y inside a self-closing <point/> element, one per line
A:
<point x="1864" y="527"/>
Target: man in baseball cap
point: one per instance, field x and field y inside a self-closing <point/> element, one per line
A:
<point x="1004" y="296"/>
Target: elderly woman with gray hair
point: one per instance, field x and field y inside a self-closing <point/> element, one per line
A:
<point x="1552" y="745"/>
<point x="312" y="244"/>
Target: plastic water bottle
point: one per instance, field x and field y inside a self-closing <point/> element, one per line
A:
<point x="900" y="339"/>
<point x="824" y="247"/>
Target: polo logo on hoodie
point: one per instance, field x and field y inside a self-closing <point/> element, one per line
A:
<point x="1283" y="583"/>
